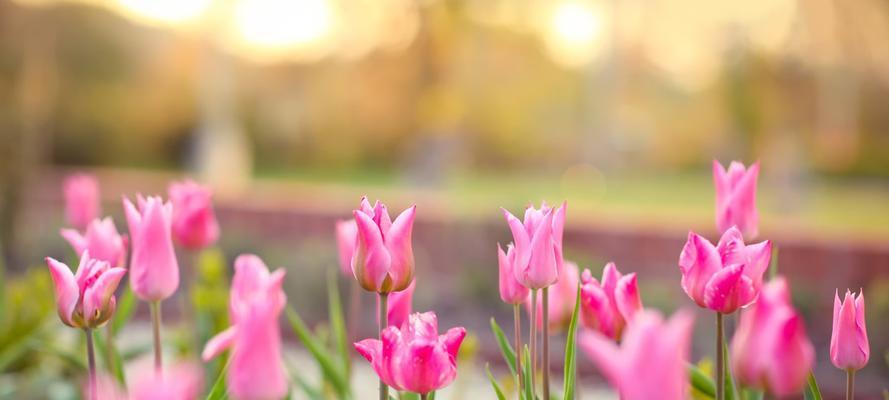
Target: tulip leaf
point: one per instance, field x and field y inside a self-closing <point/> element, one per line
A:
<point x="570" y="351"/>
<point x="313" y="345"/>
<point x="311" y="393"/>
<point x="219" y="391"/>
<point x="731" y="392"/>
<point x="701" y="381"/>
<point x="338" y="321"/>
<point x="125" y="310"/>
<point x="505" y="349"/>
<point x="494" y="383"/>
<point x="812" y="392"/>
<point x="527" y="375"/>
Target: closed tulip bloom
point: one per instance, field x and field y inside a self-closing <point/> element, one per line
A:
<point x="154" y="270"/>
<point x="511" y="291"/>
<point x="399" y="305"/>
<point x="608" y="305"/>
<point x="736" y="197"/>
<point x="770" y="349"/>
<point x="849" y="348"/>
<point x="102" y="241"/>
<point x="81" y="199"/>
<point x="561" y="298"/>
<point x="85" y="299"/>
<point x="256" y="370"/>
<point x="194" y="221"/>
<point x="383" y="260"/>
<point x="651" y="360"/>
<point x="414" y="357"/>
<point x="346" y="235"/>
<point x="538" y="245"/>
<point x="724" y="277"/>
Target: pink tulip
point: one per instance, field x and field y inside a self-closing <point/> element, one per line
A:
<point x="650" y="362"/>
<point x="101" y="239"/>
<point x="561" y="298"/>
<point x="194" y="222"/>
<point x="736" y="197"/>
<point x="724" y="277"/>
<point x="85" y="299"/>
<point x="849" y="349"/>
<point x="183" y="381"/>
<point x="538" y="245"/>
<point x="399" y="305"/>
<point x="414" y="357"/>
<point x="81" y="199"/>
<point x="346" y="235"/>
<point x="154" y="271"/>
<point x="609" y="305"/>
<point x="511" y="291"/>
<point x="383" y="259"/>
<point x="770" y="349"/>
<point x="257" y="299"/>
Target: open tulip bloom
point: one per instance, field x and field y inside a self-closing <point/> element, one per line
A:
<point x="609" y="305"/>
<point x="849" y="348"/>
<point x="736" y="197"/>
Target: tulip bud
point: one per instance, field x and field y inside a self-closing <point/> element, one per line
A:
<point x="849" y="348"/>
<point x="194" y="222"/>
<point x="736" y="197"/>
<point x="538" y="245"/>
<point x="85" y="299"/>
<point x="608" y="306"/>
<point x="102" y="241"/>
<point x="81" y="199"/>
<point x="383" y="259"/>
<point x="154" y="271"/>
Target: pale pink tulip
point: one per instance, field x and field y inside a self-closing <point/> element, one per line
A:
<point x="651" y="360"/>
<point x="511" y="291"/>
<point x="399" y="305"/>
<point x="538" y="245"/>
<point x="414" y="357"/>
<point x="194" y="221"/>
<point x="85" y="299"/>
<point x="607" y="306"/>
<point x="101" y="239"/>
<point x="561" y="298"/>
<point x="154" y="270"/>
<point x="770" y="349"/>
<point x="724" y="277"/>
<point x="383" y="259"/>
<point x="81" y="199"/>
<point x="183" y="381"/>
<point x="256" y="370"/>
<point x="346" y="237"/>
<point x="736" y="197"/>
<point x="849" y="348"/>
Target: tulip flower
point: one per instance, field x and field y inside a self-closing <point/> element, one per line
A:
<point x="538" y="245"/>
<point x="609" y="305"/>
<point x="346" y="235"/>
<point x="81" y="199"/>
<point x="194" y="222"/>
<point x="154" y="271"/>
<point x="849" y="348"/>
<point x="770" y="349"/>
<point x="102" y="241"/>
<point x="414" y="357"/>
<point x="383" y="259"/>
<point x="562" y="296"/>
<point x="650" y="362"/>
<point x="256" y="370"/>
<point x="736" y="197"/>
<point x="511" y="291"/>
<point x="400" y="305"/>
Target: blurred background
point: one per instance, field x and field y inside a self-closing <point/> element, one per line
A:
<point x="293" y="109"/>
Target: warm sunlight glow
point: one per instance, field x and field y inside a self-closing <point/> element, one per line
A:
<point x="165" y="11"/>
<point x="282" y="23"/>
<point x="574" y="36"/>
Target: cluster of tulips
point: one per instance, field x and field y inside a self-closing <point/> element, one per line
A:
<point x="643" y="355"/>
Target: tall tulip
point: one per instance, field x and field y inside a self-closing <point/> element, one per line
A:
<point x="736" y="197"/>
<point x="81" y="193"/>
<point x="194" y="221"/>
<point x="257" y="299"/>
<point x="101" y="239"/>
<point x="849" y="348"/>
<point x="609" y="305"/>
<point x="772" y="330"/>
<point x="415" y="357"/>
<point x="650" y="362"/>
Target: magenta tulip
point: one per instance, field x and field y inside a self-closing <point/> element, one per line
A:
<point x="399" y="305"/>
<point x="414" y="357"/>
<point x="849" y="349"/>
<point x="194" y="221"/>
<point x="102" y="241"/>
<point x="736" y="197"/>
<point x="85" y="299"/>
<point x="154" y="271"/>
<point x="256" y="370"/>
<point x="651" y="360"/>
<point x="609" y="305"/>
<point x="383" y="259"/>
<point x="81" y="200"/>
<point x="511" y="291"/>
<point x="561" y="298"/>
<point x="770" y="349"/>
<point x="724" y="277"/>
<point x="538" y="245"/>
<point x="346" y="237"/>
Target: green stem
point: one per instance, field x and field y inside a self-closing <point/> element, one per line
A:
<point x="517" y="317"/>
<point x="91" y="360"/>
<point x="546" y="343"/>
<point x="424" y="396"/>
<point x="850" y="384"/>
<point x="720" y="360"/>
<point x="156" y="330"/>
<point x="384" y="307"/>
<point x="533" y="339"/>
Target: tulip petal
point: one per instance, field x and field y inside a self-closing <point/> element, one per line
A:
<point x="627" y="297"/>
<point x="861" y="327"/>
<point x="605" y="355"/>
<point x="219" y="343"/>
<point x="398" y="243"/>
<point x="542" y="269"/>
<point x="729" y="290"/>
<point x="452" y="340"/>
<point x="520" y="238"/>
<point x="75" y="239"/>
<point x="698" y="262"/>
<point x="97" y="296"/>
<point x="66" y="289"/>
<point x="559" y="223"/>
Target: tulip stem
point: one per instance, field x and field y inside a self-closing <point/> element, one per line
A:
<point x="850" y="384"/>
<point x="546" y="343"/>
<point x="424" y="396"/>
<point x="533" y="340"/>
<point x="384" y="305"/>
<point x="720" y="360"/>
<point x="91" y="360"/>
<point x="517" y="316"/>
<point x="156" y="330"/>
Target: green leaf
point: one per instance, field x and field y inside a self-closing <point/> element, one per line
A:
<point x="219" y="391"/>
<point x="570" y="351"/>
<point x="126" y="307"/>
<point x="812" y="392"/>
<point x="313" y="345"/>
<point x="752" y="394"/>
<point x="701" y="382"/>
<point x="731" y="392"/>
<point x="496" y="386"/>
<point x="527" y="375"/>
<point x="505" y="349"/>
<point x="338" y="321"/>
<point x="311" y="392"/>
